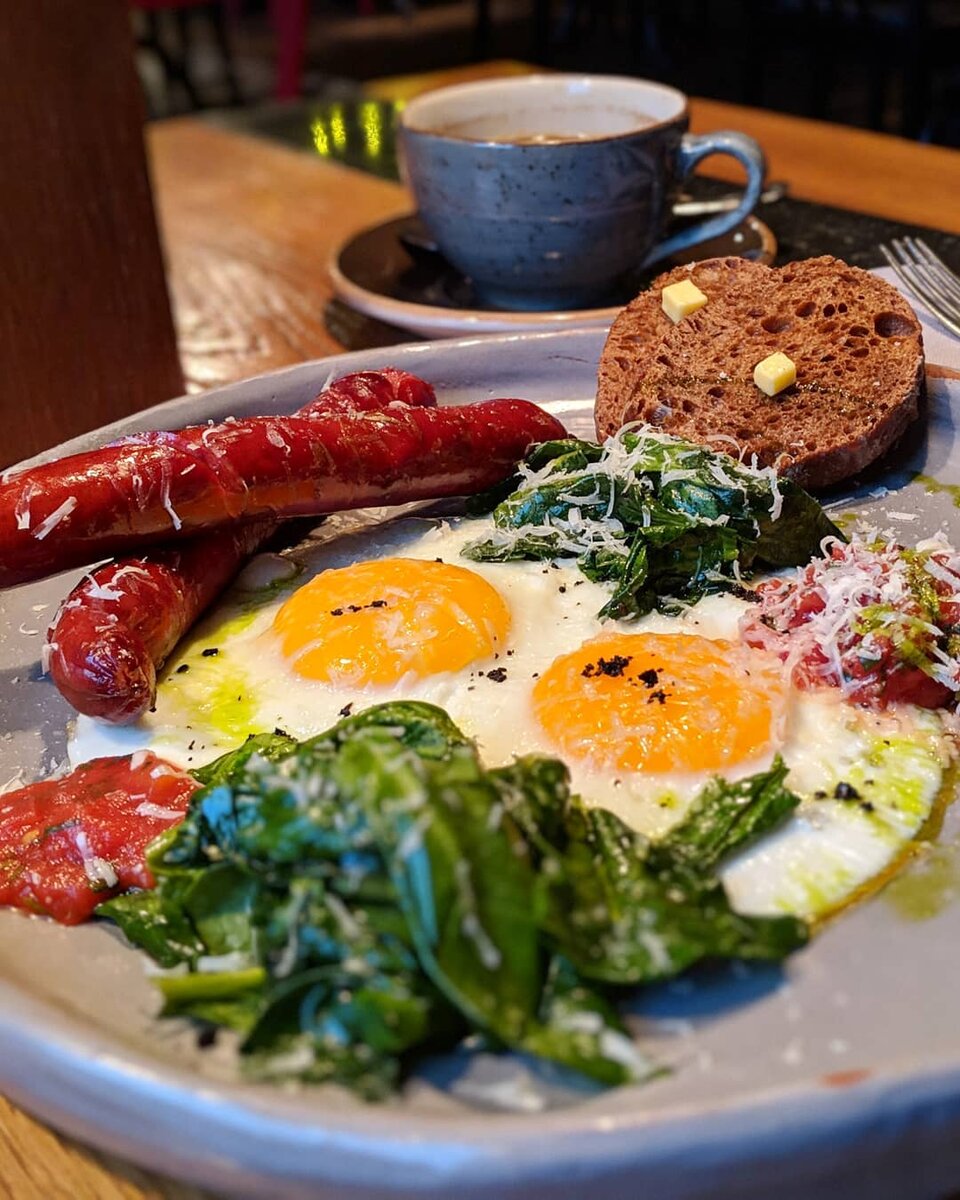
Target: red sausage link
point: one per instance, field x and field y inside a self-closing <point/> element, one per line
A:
<point x="144" y="488"/>
<point x="117" y="627"/>
<point x="367" y="391"/>
<point x="115" y="630"/>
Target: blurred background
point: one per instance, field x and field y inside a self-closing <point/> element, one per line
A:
<point x="889" y="65"/>
<point x="234" y="244"/>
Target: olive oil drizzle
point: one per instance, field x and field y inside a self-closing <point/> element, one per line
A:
<point x="917" y="894"/>
<point x="934" y="487"/>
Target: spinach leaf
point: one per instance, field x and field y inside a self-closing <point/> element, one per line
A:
<point x="465" y="885"/>
<point x="155" y="921"/>
<point x="349" y="903"/>
<point x="572" y="454"/>
<point x="331" y="1024"/>
<point x="346" y="995"/>
<point x="251" y="811"/>
<point x="271" y="746"/>
<point x="182" y="992"/>
<point x="424" y="728"/>
<point x="725" y="818"/>
<point x="580" y="1028"/>
<point x="802" y="522"/>
<point x="625" y="911"/>
<point x="664" y="519"/>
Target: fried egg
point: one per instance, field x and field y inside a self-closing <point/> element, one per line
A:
<point x="643" y="713"/>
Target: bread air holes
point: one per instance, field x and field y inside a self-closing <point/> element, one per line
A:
<point x="716" y="392"/>
<point x="829" y="310"/>
<point x="806" y="309"/>
<point x="656" y="414"/>
<point x="858" y="331"/>
<point x="891" y="324"/>
<point x="776" y="323"/>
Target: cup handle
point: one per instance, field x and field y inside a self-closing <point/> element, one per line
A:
<point x="693" y="148"/>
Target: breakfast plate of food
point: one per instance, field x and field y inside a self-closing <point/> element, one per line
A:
<point x="590" y="832"/>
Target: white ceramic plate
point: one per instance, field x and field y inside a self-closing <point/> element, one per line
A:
<point x="837" y="1076"/>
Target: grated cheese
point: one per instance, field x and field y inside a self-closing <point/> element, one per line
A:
<point x="864" y="590"/>
<point x="47" y="652"/>
<point x="165" y="497"/>
<point x="95" y="590"/>
<point x="14" y="782"/>
<point x="96" y="869"/>
<point x="148" y="809"/>
<point x="50" y="523"/>
<point x="588" y="524"/>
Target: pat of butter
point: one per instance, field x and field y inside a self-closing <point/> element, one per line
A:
<point x="681" y="299"/>
<point x="774" y="374"/>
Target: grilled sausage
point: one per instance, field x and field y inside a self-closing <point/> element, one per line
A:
<point x="153" y="486"/>
<point x="117" y="627"/>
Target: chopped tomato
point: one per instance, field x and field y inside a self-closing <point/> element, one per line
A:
<point x="876" y="620"/>
<point x="68" y="844"/>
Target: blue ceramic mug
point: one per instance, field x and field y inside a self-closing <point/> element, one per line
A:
<point x="553" y="191"/>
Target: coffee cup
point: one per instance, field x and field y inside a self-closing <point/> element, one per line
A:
<point x="554" y="191"/>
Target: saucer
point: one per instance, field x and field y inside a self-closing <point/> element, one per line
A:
<point x="390" y="272"/>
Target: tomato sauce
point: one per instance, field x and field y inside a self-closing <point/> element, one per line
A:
<point x="68" y="844"/>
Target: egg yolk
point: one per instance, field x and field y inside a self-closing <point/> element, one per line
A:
<point x="375" y="622"/>
<point x="660" y="702"/>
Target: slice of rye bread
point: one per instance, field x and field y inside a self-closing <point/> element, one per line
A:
<point x="856" y="343"/>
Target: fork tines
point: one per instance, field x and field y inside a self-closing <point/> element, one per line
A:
<point x="928" y="277"/>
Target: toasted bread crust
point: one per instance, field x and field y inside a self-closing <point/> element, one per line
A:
<point x="856" y="343"/>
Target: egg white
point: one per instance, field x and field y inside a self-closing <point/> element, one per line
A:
<point x="209" y="702"/>
<point x="833" y="848"/>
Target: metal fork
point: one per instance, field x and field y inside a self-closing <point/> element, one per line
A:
<point x="928" y="277"/>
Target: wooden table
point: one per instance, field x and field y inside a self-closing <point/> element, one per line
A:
<point x="248" y="227"/>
